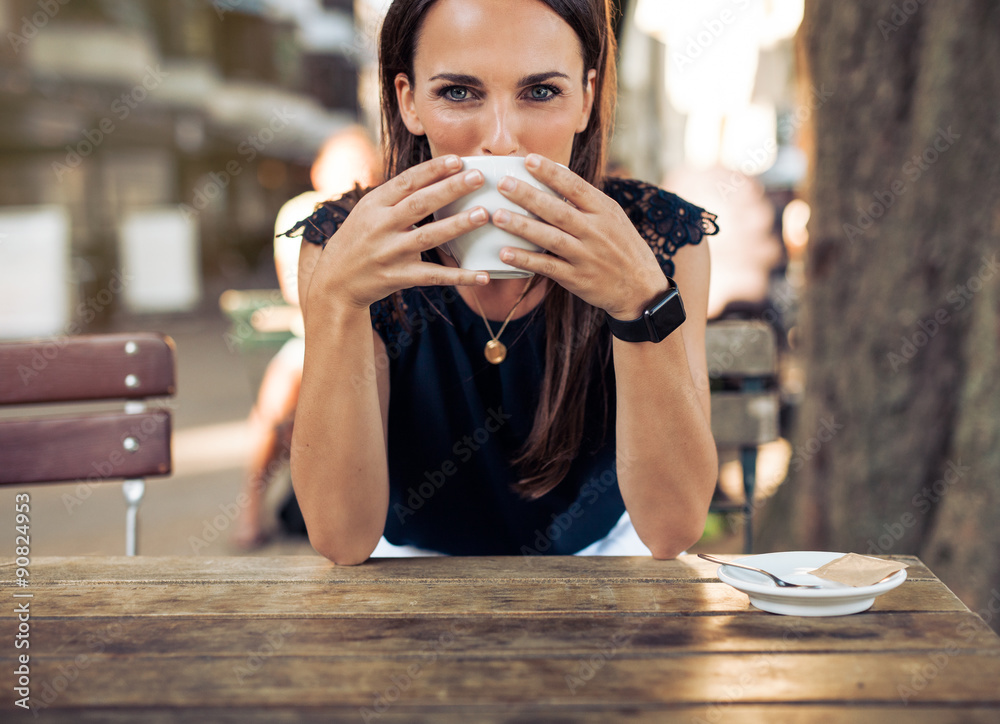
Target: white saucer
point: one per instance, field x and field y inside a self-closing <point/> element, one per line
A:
<point x="833" y="599"/>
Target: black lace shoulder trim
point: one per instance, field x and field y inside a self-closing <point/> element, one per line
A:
<point x="665" y="220"/>
<point x="327" y="218"/>
<point x="387" y="314"/>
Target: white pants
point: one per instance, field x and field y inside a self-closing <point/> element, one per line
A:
<point x="622" y="540"/>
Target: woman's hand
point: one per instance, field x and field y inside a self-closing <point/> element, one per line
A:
<point x="595" y="251"/>
<point x="376" y="251"/>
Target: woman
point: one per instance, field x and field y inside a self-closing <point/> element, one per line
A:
<point x="403" y="427"/>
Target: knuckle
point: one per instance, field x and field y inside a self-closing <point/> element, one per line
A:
<point x="415" y="206"/>
<point x="512" y="223"/>
<point x="420" y="237"/>
<point x="578" y="186"/>
<point x="383" y="255"/>
<point x="381" y="263"/>
<point x="562" y="215"/>
<point x="407" y="182"/>
<point x="522" y="224"/>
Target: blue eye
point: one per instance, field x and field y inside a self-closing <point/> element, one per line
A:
<point x="543" y="92"/>
<point x="455" y="93"/>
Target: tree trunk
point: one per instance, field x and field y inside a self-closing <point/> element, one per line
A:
<point x="897" y="441"/>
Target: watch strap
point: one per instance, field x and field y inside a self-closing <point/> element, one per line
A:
<point x="660" y="318"/>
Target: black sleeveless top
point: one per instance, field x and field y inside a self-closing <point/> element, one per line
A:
<point x="456" y="421"/>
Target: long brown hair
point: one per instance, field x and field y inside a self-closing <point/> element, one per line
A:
<point x="572" y="326"/>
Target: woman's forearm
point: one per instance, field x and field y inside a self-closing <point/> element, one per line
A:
<point x="339" y="465"/>
<point x="667" y="459"/>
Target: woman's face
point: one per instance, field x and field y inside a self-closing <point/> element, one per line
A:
<point x="497" y="78"/>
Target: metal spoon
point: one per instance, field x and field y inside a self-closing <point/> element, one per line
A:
<point x="779" y="581"/>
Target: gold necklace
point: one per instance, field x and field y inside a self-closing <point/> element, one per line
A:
<point x="495" y="350"/>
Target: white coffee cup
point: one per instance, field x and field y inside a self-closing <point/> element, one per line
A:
<point x="480" y="248"/>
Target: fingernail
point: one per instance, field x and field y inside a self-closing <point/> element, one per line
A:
<point x="533" y="160"/>
<point x="482" y="278"/>
<point x="479" y="215"/>
<point x="506" y="184"/>
<point x="473" y="177"/>
<point x="452" y="162"/>
<point x="506" y="256"/>
<point x="501" y="216"/>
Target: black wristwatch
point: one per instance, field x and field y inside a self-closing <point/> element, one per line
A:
<point x="659" y="319"/>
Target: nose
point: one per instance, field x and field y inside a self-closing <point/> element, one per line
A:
<point x="500" y="134"/>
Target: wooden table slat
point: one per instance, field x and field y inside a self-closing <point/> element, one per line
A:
<point x="55" y="570"/>
<point x="87" y="599"/>
<point x="506" y="636"/>
<point x="889" y="678"/>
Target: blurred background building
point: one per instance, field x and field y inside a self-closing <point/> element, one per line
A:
<point x="158" y="138"/>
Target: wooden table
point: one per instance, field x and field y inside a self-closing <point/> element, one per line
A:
<point x="479" y="640"/>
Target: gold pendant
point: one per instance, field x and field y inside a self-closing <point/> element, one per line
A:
<point x="495" y="351"/>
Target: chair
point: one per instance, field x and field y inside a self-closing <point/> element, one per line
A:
<point x="742" y="369"/>
<point x="79" y="442"/>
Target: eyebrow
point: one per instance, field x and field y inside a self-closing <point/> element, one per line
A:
<point x="471" y="80"/>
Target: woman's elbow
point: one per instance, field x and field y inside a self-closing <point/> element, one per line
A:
<point x="681" y="537"/>
<point x="349" y="554"/>
<point x="667" y="550"/>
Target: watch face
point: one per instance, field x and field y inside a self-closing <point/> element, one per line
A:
<point x="665" y="316"/>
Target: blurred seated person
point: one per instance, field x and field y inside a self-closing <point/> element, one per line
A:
<point x="347" y="158"/>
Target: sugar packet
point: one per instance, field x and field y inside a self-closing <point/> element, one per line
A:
<point x="857" y="570"/>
